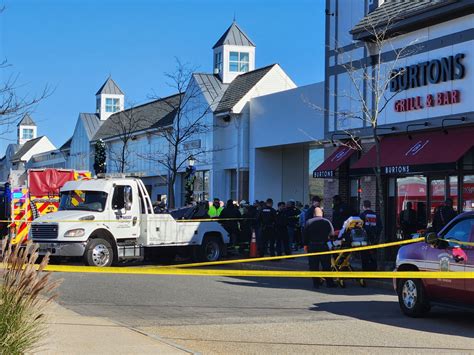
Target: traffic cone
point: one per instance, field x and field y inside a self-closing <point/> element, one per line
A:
<point x="253" y="245"/>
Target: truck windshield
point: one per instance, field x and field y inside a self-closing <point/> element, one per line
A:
<point x="83" y="200"/>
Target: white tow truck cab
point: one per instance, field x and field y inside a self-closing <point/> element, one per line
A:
<point x="110" y="219"/>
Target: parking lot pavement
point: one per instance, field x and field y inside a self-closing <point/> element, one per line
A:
<point x="72" y="333"/>
<point x="222" y="315"/>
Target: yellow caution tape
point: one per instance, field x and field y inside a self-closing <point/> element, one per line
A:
<point x="123" y="220"/>
<point x="454" y="241"/>
<point x="338" y="251"/>
<point x="263" y="273"/>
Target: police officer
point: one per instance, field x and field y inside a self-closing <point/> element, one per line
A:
<point x="316" y="236"/>
<point x="373" y="228"/>
<point x="281" y="227"/>
<point x="267" y="220"/>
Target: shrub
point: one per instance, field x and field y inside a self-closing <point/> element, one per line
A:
<point x="25" y="290"/>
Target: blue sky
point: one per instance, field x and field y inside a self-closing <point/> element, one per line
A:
<point x="74" y="45"/>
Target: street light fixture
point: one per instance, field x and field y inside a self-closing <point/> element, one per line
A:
<point x="191" y="161"/>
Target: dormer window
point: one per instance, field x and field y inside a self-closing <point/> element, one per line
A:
<point x="239" y="62"/>
<point x="112" y="105"/>
<point x="218" y="62"/>
<point x="27" y="133"/>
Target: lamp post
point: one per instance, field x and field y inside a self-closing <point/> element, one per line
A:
<point x="190" y="177"/>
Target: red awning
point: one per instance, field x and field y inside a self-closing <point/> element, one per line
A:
<point x="328" y="167"/>
<point x="427" y="151"/>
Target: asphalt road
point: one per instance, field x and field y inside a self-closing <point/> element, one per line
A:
<point x="217" y="315"/>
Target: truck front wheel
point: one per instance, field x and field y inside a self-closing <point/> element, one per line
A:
<point x="98" y="253"/>
<point x="211" y="249"/>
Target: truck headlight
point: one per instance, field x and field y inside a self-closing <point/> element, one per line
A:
<point x="78" y="232"/>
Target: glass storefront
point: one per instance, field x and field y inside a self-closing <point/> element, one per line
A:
<point x="425" y="194"/>
<point x="437" y="194"/>
<point x="468" y="193"/>
<point x="412" y="194"/>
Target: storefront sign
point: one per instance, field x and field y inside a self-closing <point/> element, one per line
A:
<point x="418" y="102"/>
<point x="400" y="169"/>
<point x="430" y="72"/>
<point x="323" y="174"/>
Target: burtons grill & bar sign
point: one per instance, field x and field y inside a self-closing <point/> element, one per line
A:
<point x="430" y="72"/>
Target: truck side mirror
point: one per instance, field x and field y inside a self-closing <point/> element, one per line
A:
<point x="431" y="238"/>
<point x="127" y="198"/>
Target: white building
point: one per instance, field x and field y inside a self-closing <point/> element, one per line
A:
<point x="220" y="102"/>
<point x="223" y="171"/>
<point x="255" y="130"/>
<point x="19" y="155"/>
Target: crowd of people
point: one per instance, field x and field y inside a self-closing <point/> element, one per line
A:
<point x="291" y="226"/>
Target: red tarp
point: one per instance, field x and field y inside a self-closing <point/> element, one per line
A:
<point x="423" y="149"/>
<point x="48" y="182"/>
<point x="335" y="160"/>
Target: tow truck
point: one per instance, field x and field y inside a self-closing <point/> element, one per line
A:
<point x="114" y="221"/>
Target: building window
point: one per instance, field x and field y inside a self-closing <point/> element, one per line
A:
<point x="218" y="61"/>
<point x="239" y="62"/>
<point x="112" y="105"/>
<point x="201" y="186"/>
<point x="27" y="133"/>
<point x="233" y="185"/>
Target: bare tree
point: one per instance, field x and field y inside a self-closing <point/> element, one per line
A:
<point x="122" y="129"/>
<point x="13" y="106"/>
<point x="376" y="74"/>
<point x="182" y="137"/>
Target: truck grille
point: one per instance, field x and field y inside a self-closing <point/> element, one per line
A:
<point x="44" y="231"/>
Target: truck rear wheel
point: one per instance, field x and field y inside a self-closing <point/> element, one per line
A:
<point x="98" y="253"/>
<point x="211" y="249"/>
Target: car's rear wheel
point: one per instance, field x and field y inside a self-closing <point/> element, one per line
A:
<point x="412" y="298"/>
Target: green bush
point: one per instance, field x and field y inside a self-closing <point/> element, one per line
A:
<point x="25" y="290"/>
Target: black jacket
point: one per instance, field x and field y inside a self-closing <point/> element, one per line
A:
<point x="267" y="218"/>
<point x="281" y="219"/>
<point x="292" y="214"/>
<point x="233" y="225"/>
<point x="372" y="225"/>
<point x="317" y="231"/>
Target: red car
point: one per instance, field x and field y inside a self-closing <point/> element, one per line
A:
<point x="416" y="296"/>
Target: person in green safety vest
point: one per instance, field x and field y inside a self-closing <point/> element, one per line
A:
<point x="215" y="209"/>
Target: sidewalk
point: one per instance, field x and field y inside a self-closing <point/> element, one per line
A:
<point x="71" y="333"/>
